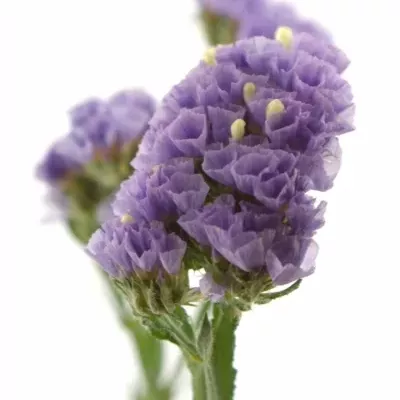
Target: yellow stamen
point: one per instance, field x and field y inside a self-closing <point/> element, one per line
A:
<point x="249" y="90"/>
<point x="284" y="35"/>
<point x="126" y="218"/>
<point x="274" y="107"/>
<point x="209" y="56"/>
<point x="237" y="129"/>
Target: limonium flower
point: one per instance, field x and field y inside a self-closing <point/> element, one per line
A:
<point x="124" y="247"/>
<point x="229" y="20"/>
<point x="229" y="159"/>
<point x="145" y="261"/>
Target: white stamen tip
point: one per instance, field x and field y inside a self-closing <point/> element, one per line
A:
<point x="284" y="34"/>
<point x="249" y="90"/>
<point x="209" y="56"/>
<point x="155" y="168"/>
<point x="274" y="107"/>
<point x="237" y="129"/>
<point x="126" y="218"/>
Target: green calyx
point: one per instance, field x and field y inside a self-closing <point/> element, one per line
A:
<point x="151" y="294"/>
<point x="243" y="289"/>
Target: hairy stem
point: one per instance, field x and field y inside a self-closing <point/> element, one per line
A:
<point x="214" y="377"/>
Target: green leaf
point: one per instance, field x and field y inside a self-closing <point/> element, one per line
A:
<point x="181" y="329"/>
<point x="158" y="330"/>
<point x="202" y="309"/>
<point x="149" y="349"/>
<point x="176" y="328"/>
<point x="194" y="366"/>
<point x="224" y="325"/>
<point x="183" y="319"/>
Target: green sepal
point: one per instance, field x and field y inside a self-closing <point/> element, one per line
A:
<point x="151" y="300"/>
<point x="196" y="257"/>
<point x="166" y="298"/>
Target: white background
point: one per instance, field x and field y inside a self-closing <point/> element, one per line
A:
<point x="336" y="338"/>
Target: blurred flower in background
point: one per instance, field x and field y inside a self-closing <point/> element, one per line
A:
<point x="225" y="21"/>
<point x="86" y="166"/>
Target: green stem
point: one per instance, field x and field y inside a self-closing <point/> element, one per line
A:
<point x="204" y="383"/>
<point x="198" y="384"/>
<point x="210" y="381"/>
<point x="214" y="377"/>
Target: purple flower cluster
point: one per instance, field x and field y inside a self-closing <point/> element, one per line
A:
<point x="249" y="78"/>
<point x="262" y="17"/>
<point x="123" y="248"/>
<point x="254" y="237"/>
<point x="96" y="127"/>
<point x="232" y="152"/>
<point x="171" y="190"/>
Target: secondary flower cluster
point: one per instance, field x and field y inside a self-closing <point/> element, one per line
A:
<point x="136" y="247"/>
<point x="87" y="165"/>
<point x="226" y="165"/>
<point x="97" y="128"/>
<point x="248" y="18"/>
